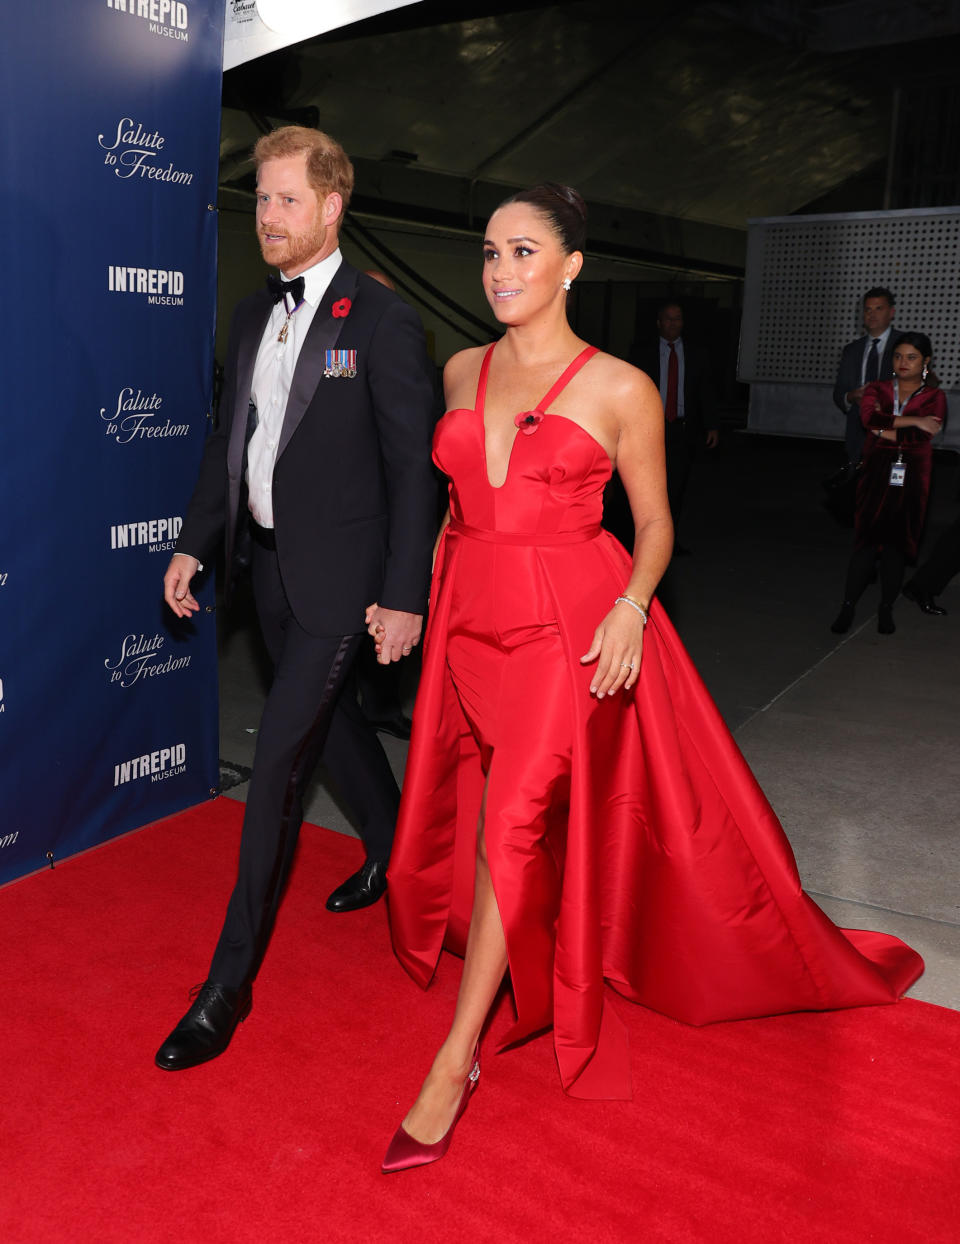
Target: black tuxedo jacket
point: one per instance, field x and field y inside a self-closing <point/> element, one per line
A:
<point x="699" y="398"/>
<point x="354" y="495"/>
<point x="851" y="366"/>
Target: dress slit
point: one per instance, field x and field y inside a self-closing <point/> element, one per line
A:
<point x="627" y="839"/>
<point x="524" y="811"/>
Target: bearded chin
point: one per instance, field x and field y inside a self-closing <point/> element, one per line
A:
<point x="294" y="249"/>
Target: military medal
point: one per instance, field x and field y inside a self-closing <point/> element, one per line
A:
<point x="285" y="327"/>
<point x="340" y="364"/>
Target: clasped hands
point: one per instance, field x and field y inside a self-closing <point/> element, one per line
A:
<point x="395" y="634"/>
<point x="617" y="648"/>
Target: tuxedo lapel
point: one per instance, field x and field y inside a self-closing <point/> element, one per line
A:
<point x="322" y="336"/>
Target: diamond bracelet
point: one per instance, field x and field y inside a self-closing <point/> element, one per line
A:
<point x="634" y="604"/>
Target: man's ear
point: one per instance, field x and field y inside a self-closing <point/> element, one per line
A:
<point x="332" y="208"/>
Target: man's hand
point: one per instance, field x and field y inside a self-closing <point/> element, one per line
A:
<point x="853" y="397"/>
<point x="713" y="438"/>
<point x="395" y="634"/>
<point x="176" y="585"/>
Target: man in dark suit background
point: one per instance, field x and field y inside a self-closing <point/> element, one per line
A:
<point x="689" y="402"/>
<point x="868" y="358"/>
<point x="930" y="579"/>
<point x="320" y="465"/>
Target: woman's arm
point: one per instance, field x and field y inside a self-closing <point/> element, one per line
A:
<point x="925" y="421"/>
<point x="876" y="408"/>
<point x="641" y="463"/>
<point x="618" y="641"/>
<point x="909" y="429"/>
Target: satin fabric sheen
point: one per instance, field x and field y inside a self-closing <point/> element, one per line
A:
<point x="628" y="840"/>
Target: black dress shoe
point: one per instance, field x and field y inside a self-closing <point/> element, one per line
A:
<point x="399" y="726"/>
<point x="360" y="890"/>
<point x="206" y="1029"/>
<point x="924" y="600"/>
<point x="885" y="624"/>
<point x="841" y="623"/>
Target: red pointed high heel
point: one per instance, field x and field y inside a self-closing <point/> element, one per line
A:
<point x="403" y="1152"/>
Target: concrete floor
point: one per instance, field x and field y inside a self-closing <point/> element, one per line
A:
<point x="853" y="738"/>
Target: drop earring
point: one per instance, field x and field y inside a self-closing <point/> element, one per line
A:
<point x="924" y="373"/>
<point x="566" y="283"/>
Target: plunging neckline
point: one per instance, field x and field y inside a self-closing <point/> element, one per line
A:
<point x="552" y="393"/>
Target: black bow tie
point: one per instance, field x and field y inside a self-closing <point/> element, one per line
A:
<point x="278" y="288"/>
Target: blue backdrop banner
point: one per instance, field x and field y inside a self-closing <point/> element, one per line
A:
<point x="108" y="708"/>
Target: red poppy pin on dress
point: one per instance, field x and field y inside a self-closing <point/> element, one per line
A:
<point x="529" y="421"/>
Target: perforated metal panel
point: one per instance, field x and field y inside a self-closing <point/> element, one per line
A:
<point x="806" y="277"/>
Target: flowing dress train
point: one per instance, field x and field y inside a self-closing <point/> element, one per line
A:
<point x="628" y="841"/>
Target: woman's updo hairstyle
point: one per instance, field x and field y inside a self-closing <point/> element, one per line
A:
<point x="562" y="207"/>
<point x="919" y="341"/>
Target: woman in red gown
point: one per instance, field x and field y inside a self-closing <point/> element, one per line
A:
<point x="571" y="813"/>
<point x="900" y="415"/>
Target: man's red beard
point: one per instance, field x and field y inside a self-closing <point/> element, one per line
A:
<point x="293" y="249"/>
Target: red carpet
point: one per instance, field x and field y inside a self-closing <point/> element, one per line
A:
<point x="839" y="1127"/>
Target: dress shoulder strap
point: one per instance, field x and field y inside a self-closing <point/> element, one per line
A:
<point x="583" y="357"/>
<point x="482" y="381"/>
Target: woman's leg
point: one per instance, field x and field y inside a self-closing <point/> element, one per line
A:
<point x="892" y="566"/>
<point x="859" y="572"/>
<point x="518" y="840"/>
<point x="484" y="966"/>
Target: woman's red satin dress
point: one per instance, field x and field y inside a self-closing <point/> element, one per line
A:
<point x="628" y="841"/>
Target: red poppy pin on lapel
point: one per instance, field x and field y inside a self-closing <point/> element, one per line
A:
<point x="341" y="308"/>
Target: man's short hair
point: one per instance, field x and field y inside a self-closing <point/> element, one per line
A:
<point x="328" y="166"/>
<point x="671" y="302"/>
<point x="879" y="291"/>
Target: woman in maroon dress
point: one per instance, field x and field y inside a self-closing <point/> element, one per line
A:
<point x="570" y="813"/>
<point x="901" y="416"/>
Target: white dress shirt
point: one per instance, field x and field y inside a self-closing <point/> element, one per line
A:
<point x="272" y="378"/>
<point x="664" y="366"/>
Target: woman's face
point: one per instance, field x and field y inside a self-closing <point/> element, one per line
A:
<point x="524" y="264"/>
<point x="908" y="363"/>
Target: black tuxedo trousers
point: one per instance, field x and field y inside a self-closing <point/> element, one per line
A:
<point x="354" y="522"/>
<point x="305" y="718"/>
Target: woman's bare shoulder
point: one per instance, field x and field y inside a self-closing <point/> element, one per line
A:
<point x="460" y="376"/>
<point x="464" y="363"/>
<point x="624" y="384"/>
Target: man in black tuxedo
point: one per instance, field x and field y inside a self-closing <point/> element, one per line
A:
<point x="689" y="402"/>
<point x="320" y="469"/>
<point x="868" y="358"/>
